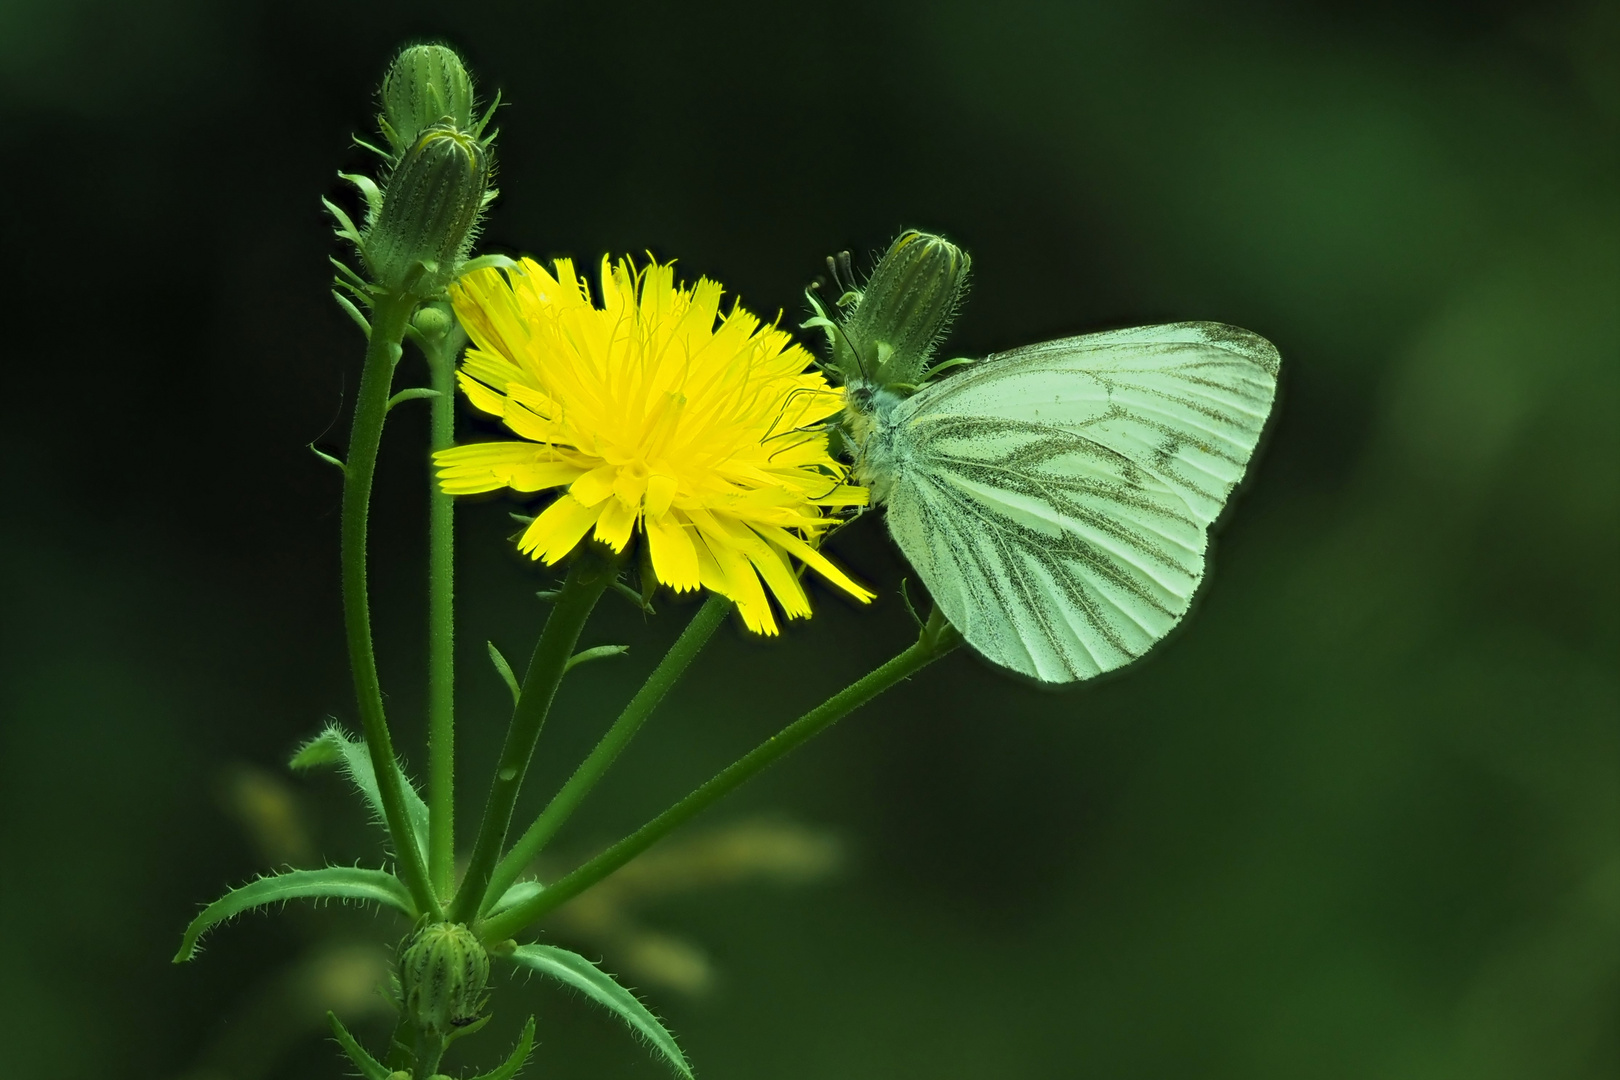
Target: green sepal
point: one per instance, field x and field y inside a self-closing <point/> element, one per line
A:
<point x="368" y="187"/>
<point x="353" y="312"/>
<point x="370" y="1068"/>
<point x="516" y="1060"/>
<point x="352" y="281"/>
<point x="333" y="747"/>
<point x="504" y="670"/>
<point x="574" y="970"/>
<point x="414" y="393"/>
<point x="485" y="262"/>
<point x="340" y="882"/>
<point x="346" y="228"/>
<point x="601" y="652"/>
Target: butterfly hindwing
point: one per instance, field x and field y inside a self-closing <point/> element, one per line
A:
<point x="1056" y="499"/>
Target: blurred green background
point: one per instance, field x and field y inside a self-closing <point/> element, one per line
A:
<point x="1360" y="819"/>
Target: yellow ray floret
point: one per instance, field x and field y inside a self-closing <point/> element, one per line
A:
<point x="655" y="412"/>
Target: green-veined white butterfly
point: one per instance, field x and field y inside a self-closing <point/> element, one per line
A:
<point x="1056" y="499"/>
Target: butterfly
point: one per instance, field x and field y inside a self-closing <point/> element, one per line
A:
<point x="1055" y="499"/>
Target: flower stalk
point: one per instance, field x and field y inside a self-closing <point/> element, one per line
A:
<point x="389" y="319"/>
<point x="937" y="638"/>
<point x="590" y="574"/>
<point x="441" y="340"/>
<point x="567" y="800"/>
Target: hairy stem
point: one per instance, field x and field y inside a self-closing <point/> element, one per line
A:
<point x="590" y="574"/>
<point x="441" y="359"/>
<point x="567" y="800"/>
<point x="370" y="409"/>
<point x="936" y="640"/>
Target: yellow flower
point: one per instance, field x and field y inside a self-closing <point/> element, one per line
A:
<point x="651" y="414"/>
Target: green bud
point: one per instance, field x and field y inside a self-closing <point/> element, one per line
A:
<point x="442" y="973"/>
<point x="434" y="320"/>
<point x="425" y="85"/>
<point x="905" y="308"/>
<point x="430" y="211"/>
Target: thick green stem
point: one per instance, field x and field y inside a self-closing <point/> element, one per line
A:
<point x="429" y="1051"/>
<point x="936" y="639"/>
<point x="562" y="805"/>
<point x="591" y="573"/>
<point x="370" y="409"/>
<point x="441" y="359"/>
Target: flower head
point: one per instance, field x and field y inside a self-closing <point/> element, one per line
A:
<point x="654" y="411"/>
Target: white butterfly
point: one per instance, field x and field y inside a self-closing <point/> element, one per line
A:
<point x="1057" y="499"/>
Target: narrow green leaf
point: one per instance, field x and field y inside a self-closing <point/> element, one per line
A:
<point x="504" y="670"/>
<point x="342" y="882"/>
<point x="368" y="188"/>
<point x="334" y="747"/>
<point x="519" y="892"/>
<point x="590" y="980"/>
<point x="634" y="596"/>
<point x="328" y="458"/>
<point x="370" y="1068"/>
<point x="601" y="652"/>
<point x="484" y="262"/>
<point x="354" y="313"/>
<point x="346" y="227"/>
<point x="362" y="144"/>
<point x="351" y="280"/>
<point x="414" y="393"/>
<point x="519" y="1055"/>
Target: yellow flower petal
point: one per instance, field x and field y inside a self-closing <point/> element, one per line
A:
<point x="655" y="408"/>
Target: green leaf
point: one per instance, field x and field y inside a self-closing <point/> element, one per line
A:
<point x="334" y="747"/>
<point x="370" y="1068"/>
<point x="590" y="980"/>
<point x="328" y="458"/>
<point x="368" y="188"/>
<point x="341" y="882"/>
<point x="517" y="894"/>
<point x="601" y="652"/>
<point x="412" y="394"/>
<point x="520" y="1054"/>
<point x="504" y="670"/>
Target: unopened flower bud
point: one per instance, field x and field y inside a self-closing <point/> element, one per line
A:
<point x="425" y="85"/>
<point x="443" y="973"/>
<point x="430" y="211"/>
<point x="906" y="307"/>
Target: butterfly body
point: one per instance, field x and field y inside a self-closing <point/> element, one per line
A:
<point x="1056" y="499"/>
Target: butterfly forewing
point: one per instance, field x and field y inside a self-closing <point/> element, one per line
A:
<point x="1056" y="499"/>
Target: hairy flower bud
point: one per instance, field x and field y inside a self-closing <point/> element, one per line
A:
<point x="430" y="211"/>
<point x="442" y="974"/>
<point x="906" y="307"/>
<point x="425" y="85"/>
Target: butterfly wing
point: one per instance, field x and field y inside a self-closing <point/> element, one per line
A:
<point x="1056" y="499"/>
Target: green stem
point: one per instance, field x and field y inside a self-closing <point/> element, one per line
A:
<point x="429" y="1051"/>
<point x="563" y="804"/>
<point x="936" y="640"/>
<point x="388" y="323"/>
<point x="590" y="574"/>
<point x="441" y="359"/>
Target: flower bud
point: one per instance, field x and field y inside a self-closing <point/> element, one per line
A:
<point x="430" y="212"/>
<point x="906" y="307"/>
<point x="442" y="973"/>
<point x="425" y="85"/>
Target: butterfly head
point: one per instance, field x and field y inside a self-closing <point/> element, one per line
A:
<point x="885" y="333"/>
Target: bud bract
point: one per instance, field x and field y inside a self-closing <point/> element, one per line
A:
<point x="443" y="972"/>
<point x="906" y="308"/>
<point x="425" y="85"/>
<point x="430" y="211"/>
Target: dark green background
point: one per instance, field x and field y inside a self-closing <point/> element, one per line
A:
<point x="1361" y="818"/>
